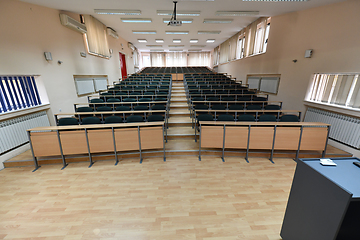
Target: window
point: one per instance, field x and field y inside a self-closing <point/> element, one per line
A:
<point x="95" y="37"/>
<point x="240" y="47"/>
<point x="335" y="89"/>
<point x="18" y="92"/>
<point x="90" y="84"/>
<point x="267" y="83"/>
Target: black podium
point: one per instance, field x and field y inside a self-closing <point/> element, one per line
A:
<point x="324" y="201"/>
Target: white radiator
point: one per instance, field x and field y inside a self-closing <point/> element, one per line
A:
<point x="13" y="132"/>
<point x="343" y="128"/>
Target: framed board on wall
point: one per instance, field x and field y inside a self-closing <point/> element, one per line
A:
<point x="89" y="84"/>
<point x="267" y="83"/>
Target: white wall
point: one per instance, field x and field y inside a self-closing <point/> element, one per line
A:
<point x="27" y="31"/>
<point x="332" y="31"/>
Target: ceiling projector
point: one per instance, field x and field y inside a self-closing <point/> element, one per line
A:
<point x="175" y="23"/>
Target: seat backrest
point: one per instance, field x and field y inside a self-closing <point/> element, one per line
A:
<point x="67" y="121"/>
<point x="201" y="107"/>
<point x="134" y="118"/>
<point x="122" y="108"/>
<point x="225" y="117"/>
<point x="145" y="100"/>
<point x="272" y="107"/>
<point x="289" y="118"/>
<point x="205" y="117"/>
<point x="84" y="109"/>
<point x="113" y="119"/>
<point x="141" y="108"/>
<point x="104" y="109"/>
<point x="267" y="118"/>
<point x="197" y="99"/>
<point x="228" y="99"/>
<point x="246" y="118"/>
<point x="96" y="100"/>
<point x="158" y="107"/>
<point x="213" y="99"/>
<point x="253" y="107"/>
<point x="113" y="100"/>
<point x="91" y="120"/>
<point x="236" y="107"/>
<point x="129" y="100"/>
<point x="155" y="118"/>
<point x="218" y="107"/>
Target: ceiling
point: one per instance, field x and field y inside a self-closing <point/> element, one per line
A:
<point x="207" y="10"/>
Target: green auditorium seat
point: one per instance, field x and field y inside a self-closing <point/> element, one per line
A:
<point x="96" y="100"/>
<point x="225" y="117"/>
<point x="113" y="119"/>
<point x="267" y="118"/>
<point x="134" y="118"/>
<point x="236" y="107"/>
<point x="289" y="118"/>
<point x="141" y="108"/>
<point x="129" y="100"/>
<point x="253" y="107"/>
<point x="155" y="118"/>
<point x="67" y="121"/>
<point x="246" y="118"/>
<point x="84" y="109"/>
<point x="104" y="109"/>
<point x="272" y="107"/>
<point x="122" y="108"/>
<point x="218" y="107"/>
<point x="113" y="100"/>
<point x="91" y="120"/>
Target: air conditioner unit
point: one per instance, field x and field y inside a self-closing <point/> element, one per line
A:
<point x="112" y="32"/>
<point x="72" y="23"/>
<point x="131" y="46"/>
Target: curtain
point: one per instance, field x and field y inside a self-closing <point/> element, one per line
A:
<point x="157" y="59"/>
<point x="96" y="37"/>
<point x="176" y="59"/>
<point x="199" y="59"/>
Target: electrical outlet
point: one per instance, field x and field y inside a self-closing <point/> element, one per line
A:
<point x="59" y="109"/>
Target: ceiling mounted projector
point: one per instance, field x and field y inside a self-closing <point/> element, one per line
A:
<point x="173" y="22"/>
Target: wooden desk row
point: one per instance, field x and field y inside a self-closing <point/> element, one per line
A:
<point x="88" y="139"/>
<point x="264" y="136"/>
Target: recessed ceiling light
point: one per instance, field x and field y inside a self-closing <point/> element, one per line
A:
<point x="158" y="46"/>
<point x="117" y="11"/>
<point x="142" y="40"/>
<point x="176" y="32"/>
<point x="144" y="32"/>
<point x="176" y="46"/>
<point x="176" y="50"/>
<point x="197" y="46"/>
<point x="209" y="32"/>
<point x="159" y="40"/>
<point x="275" y="0"/>
<point x="237" y="13"/>
<point x="156" y="50"/>
<point x="210" y="40"/>
<point x="218" y="20"/>
<point x="195" y="50"/>
<point x="167" y="20"/>
<point x="178" y="13"/>
<point x="194" y="40"/>
<point x="177" y="41"/>
<point x="136" y="20"/>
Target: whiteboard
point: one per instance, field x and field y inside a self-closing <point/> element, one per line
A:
<point x="269" y="84"/>
<point x="100" y="84"/>
<point x="254" y="82"/>
<point x="84" y="86"/>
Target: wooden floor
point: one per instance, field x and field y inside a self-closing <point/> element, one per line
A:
<point x="181" y="198"/>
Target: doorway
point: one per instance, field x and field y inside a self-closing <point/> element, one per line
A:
<point x="123" y="65"/>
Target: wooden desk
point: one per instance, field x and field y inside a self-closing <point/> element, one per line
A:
<point x="264" y="136"/>
<point x="99" y="138"/>
<point x="324" y="201"/>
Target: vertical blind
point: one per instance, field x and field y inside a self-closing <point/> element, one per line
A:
<point x="96" y="37"/>
<point x="18" y="92"/>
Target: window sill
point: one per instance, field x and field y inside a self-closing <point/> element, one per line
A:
<point x="354" y="112"/>
<point x="21" y="112"/>
<point x="234" y="60"/>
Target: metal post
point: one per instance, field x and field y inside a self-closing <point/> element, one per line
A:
<point x="116" y="157"/>
<point x="140" y="145"/>
<point x="273" y="145"/>
<point x="32" y="152"/>
<point x="164" y="143"/>
<point x="223" y="150"/>
<point x="199" y="141"/>
<point x="88" y="146"/>
<point x="248" y="145"/>
<point x="327" y="138"/>
<point x="298" y="150"/>
<point x="61" y="151"/>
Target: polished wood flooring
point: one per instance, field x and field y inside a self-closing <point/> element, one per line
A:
<point x="181" y="198"/>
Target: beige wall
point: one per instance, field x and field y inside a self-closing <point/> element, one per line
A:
<point x="332" y="31"/>
<point x="27" y="31"/>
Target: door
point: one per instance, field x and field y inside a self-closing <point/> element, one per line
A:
<point x="123" y="65"/>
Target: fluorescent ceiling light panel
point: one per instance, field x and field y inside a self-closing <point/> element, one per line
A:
<point x="210" y="40"/>
<point x="158" y="46"/>
<point x="159" y="40"/>
<point x="209" y="32"/>
<point x="117" y="11"/>
<point x="195" y="50"/>
<point x="176" y="50"/>
<point x="194" y="40"/>
<point x="236" y="13"/>
<point x="175" y="46"/>
<point x="176" y="32"/>
<point x="218" y="20"/>
<point x="136" y="20"/>
<point x="167" y="20"/>
<point x="177" y="41"/>
<point x="196" y="0"/>
<point x="144" y="32"/>
<point x="156" y="50"/>
<point x="178" y="13"/>
<point x="142" y="40"/>
<point x="275" y="0"/>
<point x="197" y="46"/>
